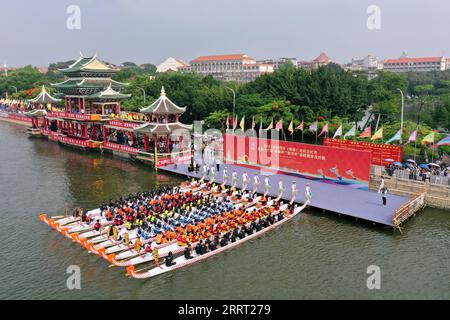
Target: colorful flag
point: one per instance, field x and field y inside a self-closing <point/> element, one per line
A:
<point x="324" y="129"/>
<point x="235" y="122"/>
<point x="291" y="127"/>
<point x="366" y="133"/>
<point x="260" y="128"/>
<point x="300" y="126"/>
<point x="313" y="127"/>
<point x="242" y="124"/>
<point x="338" y="132"/>
<point x="253" y="123"/>
<point x="270" y="127"/>
<point x="351" y="132"/>
<point x="279" y="125"/>
<point x="444" y="142"/>
<point x="413" y="136"/>
<point x="397" y="137"/>
<point x="429" y="138"/>
<point x="378" y="135"/>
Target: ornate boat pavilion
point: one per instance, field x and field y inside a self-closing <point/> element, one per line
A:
<point x="42" y="103"/>
<point x="90" y="96"/>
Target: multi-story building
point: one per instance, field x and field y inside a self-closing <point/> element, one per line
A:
<point x="369" y="63"/>
<point x="230" y="67"/>
<point x="406" y="64"/>
<point x="321" y="60"/>
<point x="280" y="61"/>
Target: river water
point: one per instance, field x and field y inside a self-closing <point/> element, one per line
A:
<point x="314" y="256"/>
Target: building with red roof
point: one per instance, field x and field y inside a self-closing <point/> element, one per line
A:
<point x="407" y="64"/>
<point x="322" y="60"/>
<point x="229" y="67"/>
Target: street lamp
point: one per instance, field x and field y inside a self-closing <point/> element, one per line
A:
<point x="403" y="102"/>
<point x="14" y="88"/>
<point x="143" y="92"/>
<point x="234" y="99"/>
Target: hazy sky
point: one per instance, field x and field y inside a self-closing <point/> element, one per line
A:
<point x="35" y="32"/>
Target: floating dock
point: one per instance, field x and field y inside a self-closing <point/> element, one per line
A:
<point x="360" y="204"/>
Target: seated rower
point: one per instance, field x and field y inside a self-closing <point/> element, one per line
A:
<point x="169" y="260"/>
<point x="97" y="225"/>
<point x="188" y="252"/>
<point x="198" y="247"/>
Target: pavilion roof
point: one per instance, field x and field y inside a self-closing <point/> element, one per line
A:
<point x="162" y="106"/>
<point x="162" y="128"/>
<point x="44" y="97"/>
<point x="109" y="93"/>
<point x="89" y="64"/>
<point x="89" y="83"/>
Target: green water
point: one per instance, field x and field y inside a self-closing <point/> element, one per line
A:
<point x="314" y="256"/>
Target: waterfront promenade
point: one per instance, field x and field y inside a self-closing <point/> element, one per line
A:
<point x="344" y="200"/>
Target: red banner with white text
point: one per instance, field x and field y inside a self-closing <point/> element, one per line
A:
<point x="352" y="166"/>
<point x="379" y="151"/>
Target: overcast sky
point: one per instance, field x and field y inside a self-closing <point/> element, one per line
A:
<point x="35" y="32"/>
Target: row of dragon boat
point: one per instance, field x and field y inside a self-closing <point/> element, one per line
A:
<point x="118" y="253"/>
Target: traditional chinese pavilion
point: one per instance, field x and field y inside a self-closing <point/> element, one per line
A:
<point x="163" y="128"/>
<point x="42" y="103"/>
<point x="90" y="97"/>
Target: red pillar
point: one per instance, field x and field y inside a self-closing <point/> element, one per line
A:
<point x="181" y="143"/>
<point x="104" y="134"/>
<point x="167" y="144"/>
<point x="146" y="142"/>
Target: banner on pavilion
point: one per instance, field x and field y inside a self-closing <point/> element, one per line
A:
<point x="343" y="166"/>
<point x="379" y="151"/>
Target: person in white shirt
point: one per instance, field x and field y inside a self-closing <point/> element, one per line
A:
<point x="280" y="188"/>
<point x="225" y="175"/>
<point x="267" y="185"/>
<point x="308" y="193"/>
<point x="255" y="183"/>
<point x="244" y="181"/>
<point x="234" y="178"/>
<point x="293" y="190"/>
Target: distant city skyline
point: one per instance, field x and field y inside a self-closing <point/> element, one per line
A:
<point x="145" y="31"/>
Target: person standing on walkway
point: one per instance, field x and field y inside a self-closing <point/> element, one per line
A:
<point x="384" y="192"/>
<point x="218" y="164"/>
<point x="293" y="191"/>
<point x="213" y="174"/>
<point x="280" y="188"/>
<point x="225" y="175"/>
<point x="381" y="185"/>
<point x="234" y="179"/>
<point x="255" y="183"/>
<point x="244" y="181"/>
<point x="308" y="193"/>
<point x="267" y="185"/>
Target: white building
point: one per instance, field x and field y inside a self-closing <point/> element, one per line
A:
<point x="280" y="61"/>
<point x="171" y="65"/>
<point x="230" y="67"/>
<point x="406" y="64"/>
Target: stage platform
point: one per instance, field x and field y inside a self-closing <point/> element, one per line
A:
<point x="344" y="200"/>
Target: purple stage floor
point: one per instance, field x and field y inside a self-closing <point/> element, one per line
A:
<point x="348" y="201"/>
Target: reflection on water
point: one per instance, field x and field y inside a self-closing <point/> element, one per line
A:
<point x="314" y="256"/>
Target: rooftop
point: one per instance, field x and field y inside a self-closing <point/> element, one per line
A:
<point x="225" y="57"/>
